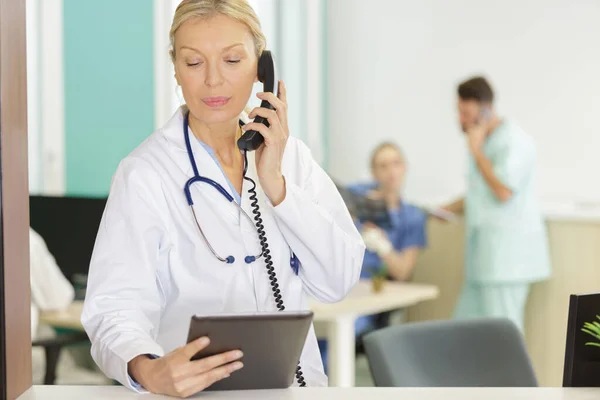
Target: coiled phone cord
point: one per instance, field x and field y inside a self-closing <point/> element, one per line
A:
<point x="266" y="252"/>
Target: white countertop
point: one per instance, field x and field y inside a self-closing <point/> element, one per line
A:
<point x="582" y="211"/>
<point x="120" y="393"/>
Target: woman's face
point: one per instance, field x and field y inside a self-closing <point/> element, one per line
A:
<point x="389" y="169"/>
<point x="216" y="67"/>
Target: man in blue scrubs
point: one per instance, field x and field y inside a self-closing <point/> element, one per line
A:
<point x="395" y="247"/>
<point x="506" y="240"/>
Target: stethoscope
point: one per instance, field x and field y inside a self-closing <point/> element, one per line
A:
<point x="197" y="178"/>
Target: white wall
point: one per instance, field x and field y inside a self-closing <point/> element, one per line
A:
<point x="394" y="66"/>
<point x="33" y="98"/>
<point x="45" y="97"/>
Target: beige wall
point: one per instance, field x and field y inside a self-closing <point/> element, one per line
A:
<point x="575" y="251"/>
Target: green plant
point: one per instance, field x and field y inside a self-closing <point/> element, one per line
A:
<point x="593" y="329"/>
<point x="378" y="272"/>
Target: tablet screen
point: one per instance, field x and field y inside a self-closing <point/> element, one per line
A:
<point x="271" y="343"/>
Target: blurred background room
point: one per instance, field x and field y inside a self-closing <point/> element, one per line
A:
<point x="359" y="73"/>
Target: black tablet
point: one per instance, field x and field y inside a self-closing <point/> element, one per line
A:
<point x="271" y="343"/>
<point x="365" y="208"/>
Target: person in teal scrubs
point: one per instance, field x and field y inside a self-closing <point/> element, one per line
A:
<point x="506" y="239"/>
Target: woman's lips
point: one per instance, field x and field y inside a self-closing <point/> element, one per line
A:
<point x="215" y="102"/>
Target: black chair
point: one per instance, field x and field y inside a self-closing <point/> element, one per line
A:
<point x="52" y="348"/>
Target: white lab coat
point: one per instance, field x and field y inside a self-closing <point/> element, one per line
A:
<point x="151" y="270"/>
<point x="50" y="290"/>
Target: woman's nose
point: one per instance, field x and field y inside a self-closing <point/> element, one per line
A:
<point x="213" y="75"/>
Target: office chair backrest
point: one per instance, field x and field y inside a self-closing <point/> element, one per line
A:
<point x="484" y="353"/>
<point x="69" y="226"/>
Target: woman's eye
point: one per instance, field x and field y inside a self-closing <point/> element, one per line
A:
<point x="233" y="61"/>
<point x="193" y="64"/>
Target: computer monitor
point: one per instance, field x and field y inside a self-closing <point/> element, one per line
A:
<point x="582" y="362"/>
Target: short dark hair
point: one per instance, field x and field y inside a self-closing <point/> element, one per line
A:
<point x="476" y="88"/>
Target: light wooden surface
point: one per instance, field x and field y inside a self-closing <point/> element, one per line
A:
<point x="575" y="255"/>
<point x="69" y="318"/>
<point x="363" y="301"/>
<point x="120" y="393"/>
<point x="360" y="301"/>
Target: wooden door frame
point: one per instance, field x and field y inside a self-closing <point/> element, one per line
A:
<point x="15" y="304"/>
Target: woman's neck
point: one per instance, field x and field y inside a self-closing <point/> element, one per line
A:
<point x="221" y="137"/>
<point x="392" y="198"/>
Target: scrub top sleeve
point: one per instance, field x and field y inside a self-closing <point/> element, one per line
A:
<point x="513" y="163"/>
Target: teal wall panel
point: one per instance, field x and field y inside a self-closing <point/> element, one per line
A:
<point x="109" y="88"/>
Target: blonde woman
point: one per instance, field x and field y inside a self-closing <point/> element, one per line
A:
<point x="155" y="263"/>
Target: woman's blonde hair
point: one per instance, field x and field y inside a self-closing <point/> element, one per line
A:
<point x="239" y="10"/>
<point x="384" y="146"/>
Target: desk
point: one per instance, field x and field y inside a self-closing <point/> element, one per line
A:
<point x="120" y="393"/>
<point x="69" y="318"/>
<point x="338" y="319"/>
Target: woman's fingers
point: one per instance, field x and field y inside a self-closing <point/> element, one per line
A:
<point x="198" y="383"/>
<point x="210" y="363"/>
<point x="282" y="93"/>
<point x="262" y="129"/>
<point x="192" y="348"/>
<point x="275" y="101"/>
<point x="268" y="114"/>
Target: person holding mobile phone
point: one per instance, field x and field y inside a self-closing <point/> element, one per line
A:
<point x="200" y="222"/>
<point x="506" y="239"/>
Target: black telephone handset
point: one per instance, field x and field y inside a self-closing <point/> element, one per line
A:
<point x="252" y="140"/>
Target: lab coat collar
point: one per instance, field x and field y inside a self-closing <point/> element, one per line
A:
<point x="174" y="135"/>
<point x="173" y="131"/>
